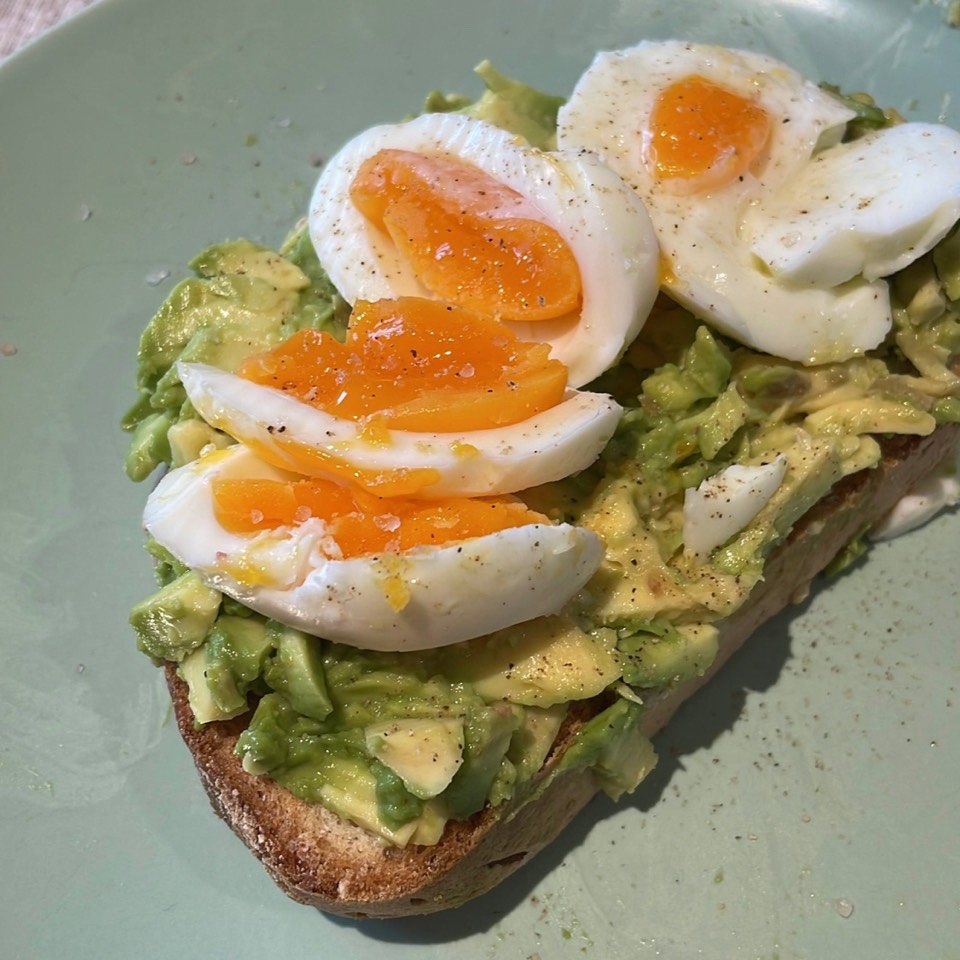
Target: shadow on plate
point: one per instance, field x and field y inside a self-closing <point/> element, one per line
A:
<point x="696" y="726"/>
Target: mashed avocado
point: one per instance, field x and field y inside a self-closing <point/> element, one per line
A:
<point x="400" y="743"/>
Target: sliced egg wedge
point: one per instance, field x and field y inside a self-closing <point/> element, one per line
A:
<point x="771" y="229"/>
<point x="555" y="245"/>
<point x="424" y="399"/>
<point x="387" y="574"/>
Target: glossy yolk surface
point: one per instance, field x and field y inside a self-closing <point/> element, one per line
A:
<point x="704" y="136"/>
<point x="470" y="239"/>
<point x="414" y="364"/>
<point x="361" y="524"/>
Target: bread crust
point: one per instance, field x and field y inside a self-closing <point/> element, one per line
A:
<point x="319" y="859"/>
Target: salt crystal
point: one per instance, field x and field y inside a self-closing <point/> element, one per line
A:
<point x="845" y="908"/>
<point x="157" y="277"/>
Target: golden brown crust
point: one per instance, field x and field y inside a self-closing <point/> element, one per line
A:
<point x="319" y="859"/>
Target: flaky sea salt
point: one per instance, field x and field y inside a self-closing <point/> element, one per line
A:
<point x="387" y="522"/>
<point x="157" y="277"/>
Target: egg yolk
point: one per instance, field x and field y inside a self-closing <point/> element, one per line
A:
<point x="311" y="460"/>
<point x="704" y="136"/>
<point x="361" y="524"/>
<point x="470" y="239"/>
<point x="415" y="364"/>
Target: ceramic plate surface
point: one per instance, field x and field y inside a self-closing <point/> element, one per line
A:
<point x="805" y="805"/>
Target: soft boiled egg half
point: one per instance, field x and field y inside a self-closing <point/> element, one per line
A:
<point x="772" y="230"/>
<point x="393" y="574"/>
<point x="554" y="245"/>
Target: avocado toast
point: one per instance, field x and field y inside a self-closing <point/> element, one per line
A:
<point x="548" y="711"/>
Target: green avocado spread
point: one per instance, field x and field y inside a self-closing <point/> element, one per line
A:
<point x="400" y="743"/>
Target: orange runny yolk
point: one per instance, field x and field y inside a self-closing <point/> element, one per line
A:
<point x="361" y="524"/>
<point x="415" y="364"/>
<point x="704" y="136"/>
<point x="470" y="239"/>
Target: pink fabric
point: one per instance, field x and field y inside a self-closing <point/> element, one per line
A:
<point x="22" y="20"/>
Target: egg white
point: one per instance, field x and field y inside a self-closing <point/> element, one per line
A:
<point x="803" y="307"/>
<point x="596" y="213"/>
<point x="722" y="505"/>
<point x="554" y="444"/>
<point x="424" y="598"/>
<point x="869" y="207"/>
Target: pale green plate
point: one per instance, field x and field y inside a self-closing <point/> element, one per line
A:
<point x="819" y="775"/>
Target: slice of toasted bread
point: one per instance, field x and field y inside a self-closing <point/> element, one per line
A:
<point x="319" y="859"/>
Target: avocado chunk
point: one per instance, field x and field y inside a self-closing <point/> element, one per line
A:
<point x="396" y="805"/>
<point x="431" y="822"/>
<point x="542" y="662"/>
<point x="205" y="706"/>
<point x="946" y="258"/>
<point x="487" y="735"/>
<point x="149" y="446"/>
<point x="508" y="104"/>
<point x="516" y="107"/>
<point x="352" y="793"/>
<point x="424" y="753"/>
<point x="247" y="259"/>
<point x="658" y="654"/>
<point x="296" y="671"/>
<point x="197" y="304"/>
<point x="333" y="769"/>
<point x="166" y="567"/>
<point x="264" y="746"/>
<point x="612" y="745"/>
<point x="702" y="374"/>
<point x="174" y="621"/>
<point x="926" y="314"/>
<point x="533" y="739"/>
<point x="368" y="686"/>
<point x="719" y="423"/>
<point x="220" y="321"/>
<point x="187" y="438"/>
<point x="235" y="651"/>
<point x="254" y="302"/>
<point x="321" y="307"/>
